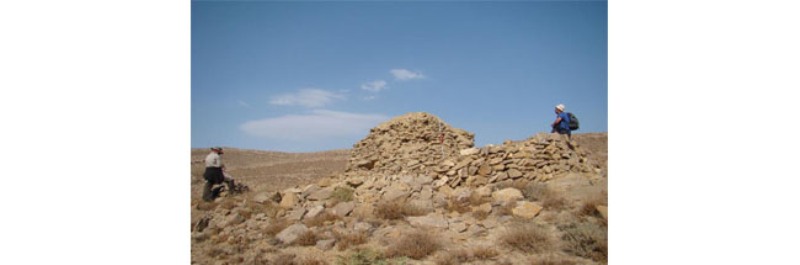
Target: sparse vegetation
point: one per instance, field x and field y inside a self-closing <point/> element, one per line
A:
<point x="415" y="245"/>
<point x="321" y="219"/>
<point x="537" y="191"/>
<point x="311" y="261"/>
<point x="506" y="209"/>
<point x="345" y="240"/>
<point x="394" y="210"/>
<point x="342" y="194"/>
<point x="309" y="238"/>
<point x="276" y="227"/>
<point x="463" y="255"/>
<point x="367" y="256"/>
<point x="586" y="239"/>
<point x="529" y="237"/>
<point x="551" y="260"/>
<point x="284" y="259"/>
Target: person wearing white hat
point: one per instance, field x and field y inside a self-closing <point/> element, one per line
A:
<point x="561" y="124"/>
<point x="214" y="173"/>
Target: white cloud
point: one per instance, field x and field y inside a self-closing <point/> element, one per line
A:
<point x="403" y="74"/>
<point x="309" y="97"/>
<point x="374" y="86"/>
<point x="371" y="97"/>
<point x="244" y="104"/>
<point x="317" y="125"/>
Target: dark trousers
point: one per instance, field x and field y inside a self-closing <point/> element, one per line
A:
<point x="213" y="176"/>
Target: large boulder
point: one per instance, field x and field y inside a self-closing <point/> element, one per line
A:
<point x="291" y="233"/>
<point x="507" y="195"/>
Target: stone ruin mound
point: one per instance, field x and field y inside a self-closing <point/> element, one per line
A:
<point x="422" y="144"/>
<point x="408" y="144"/>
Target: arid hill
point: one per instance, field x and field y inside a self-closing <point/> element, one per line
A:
<point x="414" y="191"/>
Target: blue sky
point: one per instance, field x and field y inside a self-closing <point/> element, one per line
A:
<point x="312" y="76"/>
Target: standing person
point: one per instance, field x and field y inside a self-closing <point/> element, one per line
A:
<point x="214" y="174"/>
<point x="561" y="124"/>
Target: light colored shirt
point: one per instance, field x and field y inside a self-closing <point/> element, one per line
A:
<point x="213" y="160"/>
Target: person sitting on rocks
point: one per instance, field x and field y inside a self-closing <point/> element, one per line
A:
<point x="561" y="124"/>
<point x="214" y="173"/>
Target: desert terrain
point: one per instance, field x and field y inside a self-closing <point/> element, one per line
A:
<point x="414" y="191"/>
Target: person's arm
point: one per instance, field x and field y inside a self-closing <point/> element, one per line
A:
<point x="558" y="120"/>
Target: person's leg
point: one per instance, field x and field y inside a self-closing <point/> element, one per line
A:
<point x="207" y="196"/>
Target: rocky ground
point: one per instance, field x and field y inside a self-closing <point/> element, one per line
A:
<point x="414" y="191"/>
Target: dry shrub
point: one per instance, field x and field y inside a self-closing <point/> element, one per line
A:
<point x="215" y="252"/>
<point x="342" y="194"/>
<point x="589" y="207"/>
<point x="276" y="227"/>
<point x="586" y="239"/>
<point x="506" y="209"/>
<point x="415" y="245"/>
<point x="529" y="237"/>
<point x="550" y="199"/>
<point x="394" y="210"/>
<point x="284" y="259"/>
<point x="551" y="260"/>
<point x="269" y="208"/>
<point x="320" y="219"/>
<point x="311" y="261"/>
<point x="484" y="253"/>
<point x="462" y="255"/>
<point x="366" y="256"/>
<point x="345" y="240"/>
<point x="308" y="238"/>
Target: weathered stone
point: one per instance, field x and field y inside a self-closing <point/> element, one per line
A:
<point x="263" y="197"/>
<point x="603" y="210"/>
<point x="496" y="160"/>
<point x="393" y="194"/>
<point x="484" y="170"/>
<point x="485" y="208"/>
<point x="343" y="208"/>
<point x="325" y="244"/>
<point x="291" y="233"/>
<point x="362" y="227"/>
<point x="526" y="209"/>
<point x="459" y="227"/>
<point x="448" y="163"/>
<point x="514" y="174"/>
<point x="231" y="220"/>
<point x="295" y="215"/>
<point x="289" y="200"/>
<point x="475" y="181"/>
<point x="469" y="151"/>
<point x="324" y="182"/>
<point x="321" y="195"/>
<point x="432" y="220"/>
<point x="355" y="182"/>
<point x="502" y="176"/>
<point x="313" y="212"/>
<point x="507" y="195"/>
<point x="441" y="181"/>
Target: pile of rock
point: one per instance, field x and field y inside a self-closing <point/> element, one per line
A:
<point x="539" y="158"/>
<point x="421" y="144"/>
<point x="408" y="144"/>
